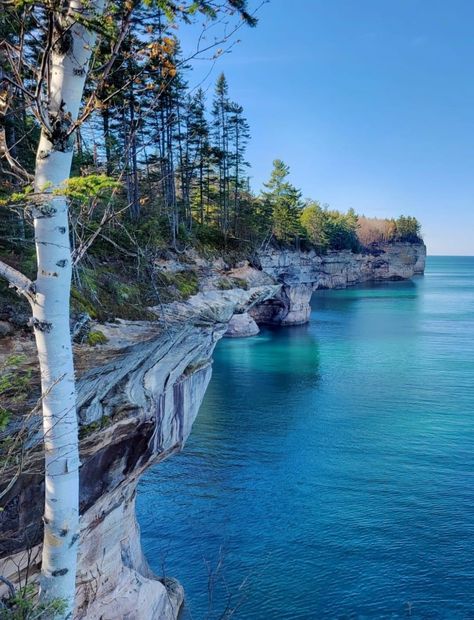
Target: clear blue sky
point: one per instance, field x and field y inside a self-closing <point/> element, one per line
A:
<point x="370" y="103"/>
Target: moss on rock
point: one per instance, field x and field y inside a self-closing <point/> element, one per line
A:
<point x="94" y="338"/>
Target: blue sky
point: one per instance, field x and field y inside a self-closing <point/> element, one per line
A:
<point x="370" y="103"/>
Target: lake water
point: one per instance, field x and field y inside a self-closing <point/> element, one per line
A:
<point x="331" y="467"/>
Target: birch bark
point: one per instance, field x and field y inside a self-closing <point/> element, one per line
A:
<point x="69" y="59"/>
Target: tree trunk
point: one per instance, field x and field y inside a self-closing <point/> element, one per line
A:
<point x="237" y="180"/>
<point x="53" y="341"/>
<point x="201" y="189"/>
<point x="135" y="198"/>
<point x="68" y="68"/>
<point x="108" y="150"/>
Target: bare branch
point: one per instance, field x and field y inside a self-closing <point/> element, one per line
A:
<point x="23" y="285"/>
<point x="16" y="167"/>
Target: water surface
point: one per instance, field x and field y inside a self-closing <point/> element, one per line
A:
<point x="331" y="467"/>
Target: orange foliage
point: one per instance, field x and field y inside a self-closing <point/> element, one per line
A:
<point x="375" y="230"/>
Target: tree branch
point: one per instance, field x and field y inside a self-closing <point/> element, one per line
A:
<point x="16" y="167"/>
<point x="23" y="285"/>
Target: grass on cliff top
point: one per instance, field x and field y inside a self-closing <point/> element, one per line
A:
<point x="112" y="290"/>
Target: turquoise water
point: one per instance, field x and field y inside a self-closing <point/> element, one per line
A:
<point x="331" y="467"/>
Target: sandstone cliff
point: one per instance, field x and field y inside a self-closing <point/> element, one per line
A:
<point x="138" y="396"/>
<point x="301" y="273"/>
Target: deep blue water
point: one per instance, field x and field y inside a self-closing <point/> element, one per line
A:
<point x="331" y="466"/>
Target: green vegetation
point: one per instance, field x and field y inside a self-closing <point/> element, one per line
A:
<point x="16" y="388"/>
<point x="407" y="228"/>
<point x="240" y="283"/>
<point x="329" y="229"/>
<point x="95" y="337"/>
<point x="88" y="429"/>
<point x="5" y="417"/>
<point x="187" y="283"/>
<point x="225" y="284"/>
<point x="180" y="285"/>
<point x="115" y="289"/>
<point x="22" y="604"/>
<point x="281" y="204"/>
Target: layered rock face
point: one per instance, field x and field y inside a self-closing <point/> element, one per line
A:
<point x="301" y="273"/>
<point x="138" y="396"/>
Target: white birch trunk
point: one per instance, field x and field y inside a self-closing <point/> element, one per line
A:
<point x="68" y="68"/>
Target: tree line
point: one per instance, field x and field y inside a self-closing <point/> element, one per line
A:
<point x="290" y="220"/>
<point x="159" y="164"/>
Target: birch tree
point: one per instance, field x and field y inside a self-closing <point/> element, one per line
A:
<point x="69" y="43"/>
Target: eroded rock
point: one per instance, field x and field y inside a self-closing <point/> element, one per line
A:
<point x="138" y="396"/>
<point x="301" y="273"/>
<point x="242" y="326"/>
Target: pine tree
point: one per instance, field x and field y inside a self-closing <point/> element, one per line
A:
<point x="51" y="66"/>
<point x="284" y="202"/>
<point x="198" y="149"/>
<point x="239" y="133"/>
<point x="220" y="112"/>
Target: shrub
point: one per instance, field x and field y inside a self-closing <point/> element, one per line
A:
<point x="181" y="285"/>
<point x="224" y="284"/>
<point x="5" y="416"/>
<point x="187" y="283"/>
<point x="14" y="381"/>
<point x="22" y="604"/>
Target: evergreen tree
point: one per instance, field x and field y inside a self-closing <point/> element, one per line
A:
<point x="220" y="113"/>
<point x="239" y="133"/>
<point x="198" y="150"/>
<point x="284" y="202"/>
<point x="408" y="228"/>
<point x="313" y="221"/>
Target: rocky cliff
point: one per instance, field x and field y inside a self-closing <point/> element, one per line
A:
<point x="138" y="396"/>
<point x="303" y="272"/>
